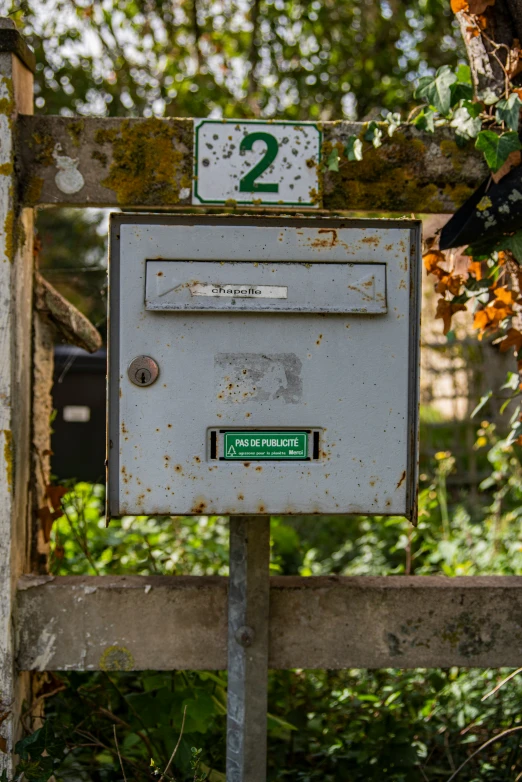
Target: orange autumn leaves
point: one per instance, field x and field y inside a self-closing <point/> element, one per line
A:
<point x="489" y="318"/>
<point x="470" y="6"/>
<point x="447" y="281"/>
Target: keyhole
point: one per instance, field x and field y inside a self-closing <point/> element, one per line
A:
<point x="143" y="371"/>
<point x="143" y="377"/>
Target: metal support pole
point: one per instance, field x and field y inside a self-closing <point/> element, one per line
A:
<point x="248" y="609"/>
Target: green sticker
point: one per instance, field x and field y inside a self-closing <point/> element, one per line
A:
<point x="265" y="445"/>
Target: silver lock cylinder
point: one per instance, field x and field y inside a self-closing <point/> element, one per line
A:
<point x="143" y="371"/>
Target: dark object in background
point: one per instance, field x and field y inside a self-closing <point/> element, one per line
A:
<point x="78" y="440"/>
<point x="492" y="211"/>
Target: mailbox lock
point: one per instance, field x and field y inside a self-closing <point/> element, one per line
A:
<point x="143" y="371"/>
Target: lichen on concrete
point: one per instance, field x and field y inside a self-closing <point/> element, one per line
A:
<point x="33" y="190"/>
<point x="9" y="458"/>
<point x="150" y="160"/>
<point x="44" y="149"/>
<point x="75" y="130"/>
<point x="401" y="171"/>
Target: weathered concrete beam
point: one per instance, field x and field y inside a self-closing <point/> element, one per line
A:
<point x="149" y="163"/>
<point x="69" y="322"/>
<point x="165" y="623"/>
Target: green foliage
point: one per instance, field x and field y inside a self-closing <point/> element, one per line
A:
<point x="138" y="545"/>
<point x="508" y="111"/>
<point x="467" y="121"/>
<point x="425" y="120"/>
<point x="353" y="148"/>
<point x="294" y="59"/>
<point x="497" y="148"/>
<point x="40" y="753"/>
<point x="448" y="98"/>
<point x="436" y="90"/>
<point x="373" y="134"/>
<point x="333" y="160"/>
<point x="512" y="243"/>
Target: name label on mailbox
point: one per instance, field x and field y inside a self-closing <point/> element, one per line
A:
<point x="238" y="290"/>
<point x="265" y="445"/>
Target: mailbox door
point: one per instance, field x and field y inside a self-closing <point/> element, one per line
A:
<point x="287" y="352"/>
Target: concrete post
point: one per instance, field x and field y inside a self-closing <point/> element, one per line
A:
<point x="16" y="275"/>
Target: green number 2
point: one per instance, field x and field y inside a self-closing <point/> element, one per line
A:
<point x="248" y="183"/>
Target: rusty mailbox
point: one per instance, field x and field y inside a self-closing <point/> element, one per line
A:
<point x="262" y="366"/>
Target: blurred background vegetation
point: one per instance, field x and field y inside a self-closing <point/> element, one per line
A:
<point x="299" y="60"/>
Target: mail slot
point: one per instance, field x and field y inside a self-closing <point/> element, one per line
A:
<point x="345" y="288"/>
<point x="262" y="366"/>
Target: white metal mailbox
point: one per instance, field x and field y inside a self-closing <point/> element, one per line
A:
<point x="262" y="366"/>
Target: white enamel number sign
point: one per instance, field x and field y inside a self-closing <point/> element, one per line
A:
<point x="256" y="162"/>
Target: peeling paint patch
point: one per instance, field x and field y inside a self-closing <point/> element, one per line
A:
<point x="256" y="377"/>
<point x="44" y="650"/>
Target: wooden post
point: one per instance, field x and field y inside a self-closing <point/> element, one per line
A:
<point x="16" y="275"/>
<point x="248" y="613"/>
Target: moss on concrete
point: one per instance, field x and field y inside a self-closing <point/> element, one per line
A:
<point x="397" y="176"/>
<point x="150" y="161"/>
<point x="9" y="458"/>
<point x="33" y="190"/>
<point x="75" y="130"/>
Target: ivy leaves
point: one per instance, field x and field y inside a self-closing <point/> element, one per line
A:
<point x="40" y="753"/>
<point x="353" y="149"/>
<point x="497" y="149"/>
<point x="436" y="91"/>
<point x="448" y="98"/>
<point x="508" y="111"/>
<point x="466" y="121"/>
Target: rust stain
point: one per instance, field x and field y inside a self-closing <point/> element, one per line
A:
<point x="261" y="508"/>
<point x="402" y="479"/>
<point x="319" y="339"/>
<point x="178" y="468"/>
<point x="375" y="240"/>
<point x="240" y="497"/>
<point x="259" y="469"/>
<point x="322" y="243"/>
<point x="199" y="507"/>
<point x="197" y="459"/>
